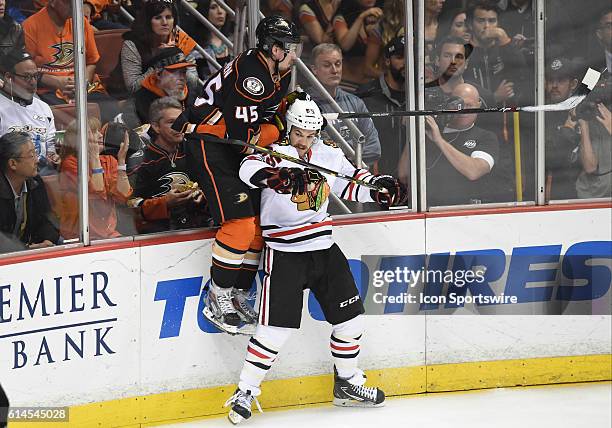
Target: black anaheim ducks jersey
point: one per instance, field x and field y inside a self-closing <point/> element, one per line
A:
<point x="160" y="172"/>
<point x="237" y="99"/>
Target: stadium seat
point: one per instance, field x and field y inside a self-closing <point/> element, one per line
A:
<point x="109" y="43"/>
<point x="53" y="193"/>
<point x="66" y="113"/>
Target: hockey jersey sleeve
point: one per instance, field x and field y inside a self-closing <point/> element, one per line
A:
<point x="252" y="166"/>
<point x="349" y="190"/>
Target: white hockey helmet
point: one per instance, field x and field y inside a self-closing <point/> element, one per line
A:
<point x="305" y="114"/>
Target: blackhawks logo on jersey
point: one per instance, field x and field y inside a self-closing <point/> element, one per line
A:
<point x="316" y="193"/>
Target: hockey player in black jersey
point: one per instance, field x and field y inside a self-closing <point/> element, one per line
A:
<point x="238" y="102"/>
<point x="300" y="253"/>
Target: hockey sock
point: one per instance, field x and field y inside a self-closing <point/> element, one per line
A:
<point x="262" y="351"/>
<point x="250" y="263"/>
<point x="228" y="251"/>
<point x="345" y="345"/>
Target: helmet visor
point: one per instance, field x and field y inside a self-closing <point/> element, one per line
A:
<point x="295" y="48"/>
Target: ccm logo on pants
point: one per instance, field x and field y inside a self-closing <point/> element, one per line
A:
<point x="349" y="301"/>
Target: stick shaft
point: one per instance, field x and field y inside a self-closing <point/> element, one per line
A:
<point x="290" y="158"/>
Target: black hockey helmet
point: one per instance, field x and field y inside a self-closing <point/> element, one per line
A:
<point x="276" y="30"/>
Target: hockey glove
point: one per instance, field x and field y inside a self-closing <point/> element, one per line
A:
<point x="287" y="180"/>
<point x="396" y="194"/>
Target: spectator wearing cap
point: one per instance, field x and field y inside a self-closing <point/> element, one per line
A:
<point x="562" y="138"/>
<point x="327" y="67"/>
<point x="49" y="39"/>
<point x="169" y="79"/>
<point x="155" y="28"/>
<point x="451" y="59"/>
<point x="25" y="214"/>
<point x="21" y="111"/>
<point x="11" y="33"/>
<point x="387" y="93"/>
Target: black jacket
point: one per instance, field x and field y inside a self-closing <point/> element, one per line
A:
<point x="39" y="226"/>
<point x="11" y="36"/>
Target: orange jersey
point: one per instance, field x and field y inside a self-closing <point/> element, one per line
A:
<point x="53" y="52"/>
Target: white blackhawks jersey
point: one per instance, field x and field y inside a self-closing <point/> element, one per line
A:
<point x="301" y="222"/>
<point x="35" y="119"/>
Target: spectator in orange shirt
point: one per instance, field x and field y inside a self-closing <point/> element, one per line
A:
<point x="108" y="184"/>
<point x="49" y="39"/>
<point x="92" y="9"/>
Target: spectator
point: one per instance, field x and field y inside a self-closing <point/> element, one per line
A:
<point x="393" y="20"/>
<point x="153" y="30"/>
<point x="283" y="8"/>
<point x="459" y="156"/>
<point x="519" y="21"/>
<point x="433" y="8"/>
<point x="48" y="38"/>
<point x="11" y="33"/>
<point x="316" y="17"/>
<point x="25" y="213"/>
<point x="601" y="56"/>
<point x="562" y="137"/>
<point x="327" y="67"/>
<point x="210" y="41"/>
<point x="495" y="64"/>
<point x="357" y="31"/>
<point x="595" y="180"/>
<point x="451" y="59"/>
<point x="387" y="93"/>
<point x="21" y="111"/>
<point x="93" y="9"/>
<point x="108" y="183"/>
<point x="168" y="79"/>
<point x="164" y="192"/>
<point x="453" y="23"/>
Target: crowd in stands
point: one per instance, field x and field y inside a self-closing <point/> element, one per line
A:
<point x="478" y="53"/>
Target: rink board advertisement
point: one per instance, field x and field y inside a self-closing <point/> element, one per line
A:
<point x="133" y="318"/>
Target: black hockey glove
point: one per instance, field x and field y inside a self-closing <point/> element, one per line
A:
<point x="396" y="192"/>
<point x="287" y="180"/>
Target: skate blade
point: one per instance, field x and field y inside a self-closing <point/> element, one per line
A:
<point x="235" y="417"/>
<point x="347" y="402"/>
<point x="247" y="329"/>
<point x="230" y="329"/>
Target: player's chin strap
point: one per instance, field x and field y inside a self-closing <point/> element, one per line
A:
<point x="213" y="139"/>
<point x="588" y="83"/>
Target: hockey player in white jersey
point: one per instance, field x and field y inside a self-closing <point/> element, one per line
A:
<point x="300" y="253"/>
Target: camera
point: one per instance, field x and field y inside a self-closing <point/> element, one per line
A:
<point x="440" y="101"/>
<point x="587" y="109"/>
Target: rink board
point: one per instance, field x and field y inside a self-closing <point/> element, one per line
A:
<point x="127" y="331"/>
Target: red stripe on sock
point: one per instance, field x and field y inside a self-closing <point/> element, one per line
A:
<point x="256" y="353"/>
<point x="344" y="348"/>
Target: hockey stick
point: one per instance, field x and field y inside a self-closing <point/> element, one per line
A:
<point x="588" y="83"/>
<point x="213" y="139"/>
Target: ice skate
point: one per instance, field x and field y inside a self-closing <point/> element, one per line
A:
<point x="241" y="406"/>
<point x="219" y="309"/>
<point x="243" y="307"/>
<point x="352" y="392"/>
